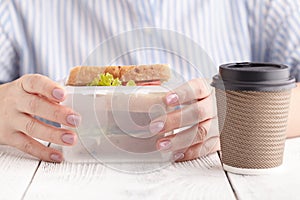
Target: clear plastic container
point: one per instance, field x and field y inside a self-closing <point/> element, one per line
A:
<point x="115" y="124"/>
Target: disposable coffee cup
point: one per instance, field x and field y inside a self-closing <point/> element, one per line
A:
<point x="252" y="103"/>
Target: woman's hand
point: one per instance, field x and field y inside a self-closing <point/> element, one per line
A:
<point x="197" y="112"/>
<point x="25" y="98"/>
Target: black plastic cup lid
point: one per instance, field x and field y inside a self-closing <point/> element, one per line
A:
<point x="254" y="77"/>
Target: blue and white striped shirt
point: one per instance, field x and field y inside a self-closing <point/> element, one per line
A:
<point x="50" y="37"/>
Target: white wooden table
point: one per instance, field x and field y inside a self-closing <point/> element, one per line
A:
<point x="22" y="177"/>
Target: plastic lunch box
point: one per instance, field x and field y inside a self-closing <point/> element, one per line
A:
<point x="115" y="123"/>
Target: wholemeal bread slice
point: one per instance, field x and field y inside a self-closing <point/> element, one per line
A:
<point x="83" y="75"/>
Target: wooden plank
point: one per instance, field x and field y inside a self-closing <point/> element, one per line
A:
<point x="283" y="184"/>
<point x="16" y="171"/>
<point x="198" y="179"/>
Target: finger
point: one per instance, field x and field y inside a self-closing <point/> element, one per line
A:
<point x="42" y="85"/>
<point x="29" y="145"/>
<point x="38" y="106"/>
<point x="184" y="139"/>
<point x="188" y="115"/>
<point x="198" y="150"/>
<point x="37" y="129"/>
<point x="193" y="90"/>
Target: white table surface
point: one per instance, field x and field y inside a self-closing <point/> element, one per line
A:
<point x="23" y="177"/>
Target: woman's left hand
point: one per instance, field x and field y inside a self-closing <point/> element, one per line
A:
<point x="197" y="113"/>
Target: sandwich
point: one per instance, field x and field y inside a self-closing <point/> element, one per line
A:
<point x="140" y="75"/>
<point x="139" y="100"/>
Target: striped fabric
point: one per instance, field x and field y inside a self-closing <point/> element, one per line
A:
<point x="50" y="37"/>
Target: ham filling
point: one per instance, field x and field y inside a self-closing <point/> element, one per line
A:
<point x="146" y="83"/>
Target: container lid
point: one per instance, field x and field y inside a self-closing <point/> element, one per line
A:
<point x="254" y="77"/>
<point x="103" y="90"/>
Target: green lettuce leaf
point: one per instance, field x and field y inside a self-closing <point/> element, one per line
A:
<point x="105" y="80"/>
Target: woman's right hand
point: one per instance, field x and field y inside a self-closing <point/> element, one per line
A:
<point x="23" y="99"/>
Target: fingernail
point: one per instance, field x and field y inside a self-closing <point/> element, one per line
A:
<point x="56" y="157"/>
<point x="156" y="127"/>
<point x="172" y="98"/>
<point x="58" y="94"/>
<point x="178" y="156"/>
<point x="164" y="145"/>
<point x="73" y="119"/>
<point x="68" y="138"/>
